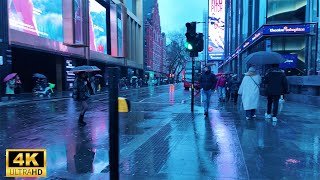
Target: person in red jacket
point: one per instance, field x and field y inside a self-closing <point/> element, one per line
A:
<point x="221" y="87"/>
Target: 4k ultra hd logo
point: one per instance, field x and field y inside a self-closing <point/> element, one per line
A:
<point x="26" y="163"/>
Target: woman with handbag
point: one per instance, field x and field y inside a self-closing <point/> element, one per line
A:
<point x="81" y="92"/>
<point x="249" y="90"/>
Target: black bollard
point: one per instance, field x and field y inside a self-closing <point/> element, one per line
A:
<point x="113" y="123"/>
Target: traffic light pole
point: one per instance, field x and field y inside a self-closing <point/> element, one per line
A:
<point x="113" y="123"/>
<point x="192" y="86"/>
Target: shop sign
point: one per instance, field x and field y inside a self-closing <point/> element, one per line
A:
<point x="286" y="29"/>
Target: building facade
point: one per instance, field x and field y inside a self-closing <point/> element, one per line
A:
<point x="287" y="27"/>
<point x="52" y="37"/>
<point x="154" y="40"/>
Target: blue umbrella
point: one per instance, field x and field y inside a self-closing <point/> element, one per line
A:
<point x="264" y="57"/>
<point x="40" y="76"/>
<point x="85" y="69"/>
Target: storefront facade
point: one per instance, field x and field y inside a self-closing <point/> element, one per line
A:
<point x="51" y="41"/>
<point x="288" y="27"/>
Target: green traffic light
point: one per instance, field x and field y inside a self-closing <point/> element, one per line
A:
<point x="188" y="46"/>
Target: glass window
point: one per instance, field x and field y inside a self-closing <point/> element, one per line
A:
<point x="262" y="12"/>
<point x="286" y="11"/>
<point x="245" y="19"/>
<point x="293" y="47"/>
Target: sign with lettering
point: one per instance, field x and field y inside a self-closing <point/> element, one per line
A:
<point x="26" y="163"/>
<point x="216" y="31"/>
<point x="286" y="29"/>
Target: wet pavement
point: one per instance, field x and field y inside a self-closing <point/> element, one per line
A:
<point x="161" y="139"/>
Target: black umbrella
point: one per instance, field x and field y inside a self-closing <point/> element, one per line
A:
<point x="264" y="57"/>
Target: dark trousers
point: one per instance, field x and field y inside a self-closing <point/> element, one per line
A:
<point x="273" y="100"/>
<point x="250" y="113"/>
<point x="228" y="94"/>
<point x="234" y="95"/>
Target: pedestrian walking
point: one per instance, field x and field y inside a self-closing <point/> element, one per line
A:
<point x="228" y="84"/>
<point x="207" y="84"/>
<point x="276" y="85"/>
<point x="18" y="86"/>
<point x="221" y="87"/>
<point x="249" y="90"/>
<point x="93" y="84"/>
<point x="233" y="86"/>
<point x="81" y="92"/>
<point x="11" y="84"/>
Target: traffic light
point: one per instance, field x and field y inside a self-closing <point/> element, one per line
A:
<point x="191" y="35"/>
<point x="199" y="42"/>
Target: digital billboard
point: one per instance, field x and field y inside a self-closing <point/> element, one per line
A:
<point x="119" y="26"/>
<point x="114" y="29"/>
<point x="77" y="10"/>
<point x="216" y="32"/>
<point x="98" y="27"/>
<point x="37" y="17"/>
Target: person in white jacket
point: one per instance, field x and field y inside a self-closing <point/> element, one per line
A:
<point x="249" y="89"/>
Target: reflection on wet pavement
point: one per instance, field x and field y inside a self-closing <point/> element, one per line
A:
<point x="161" y="139"/>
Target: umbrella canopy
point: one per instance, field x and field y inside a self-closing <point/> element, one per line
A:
<point x="40" y="76"/>
<point x="134" y="77"/>
<point x="85" y="69"/>
<point x="98" y="75"/>
<point x="263" y="57"/>
<point x="10" y="76"/>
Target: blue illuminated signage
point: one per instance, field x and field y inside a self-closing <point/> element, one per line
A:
<point x="286" y="29"/>
<point x="291" y="61"/>
<point x="269" y="30"/>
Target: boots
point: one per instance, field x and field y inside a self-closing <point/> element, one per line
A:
<point x="81" y="122"/>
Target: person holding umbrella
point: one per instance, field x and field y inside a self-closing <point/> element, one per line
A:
<point x="81" y="92"/>
<point x="10" y="84"/>
<point x="275" y="79"/>
<point x="276" y="85"/>
<point x="82" y="89"/>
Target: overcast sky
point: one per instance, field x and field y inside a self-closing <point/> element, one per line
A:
<point x="175" y="13"/>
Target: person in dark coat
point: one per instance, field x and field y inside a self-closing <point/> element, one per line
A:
<point x="207" y="83"/>
<point x="228" y="83"/>
<point x="233" y="86"/>
<point x="276" y="85"/>
<point x="81" y="92"/>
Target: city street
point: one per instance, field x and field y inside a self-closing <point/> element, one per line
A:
<point x="161" y="139"/>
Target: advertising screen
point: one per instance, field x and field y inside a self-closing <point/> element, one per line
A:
<point x="114" y="29"/>
<point x="98" y="27"/>
<point x="216" y="33"/>
<point x="77" y="10"/>
<point x="119" y="25"/>
<point x="37" y="17"/>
